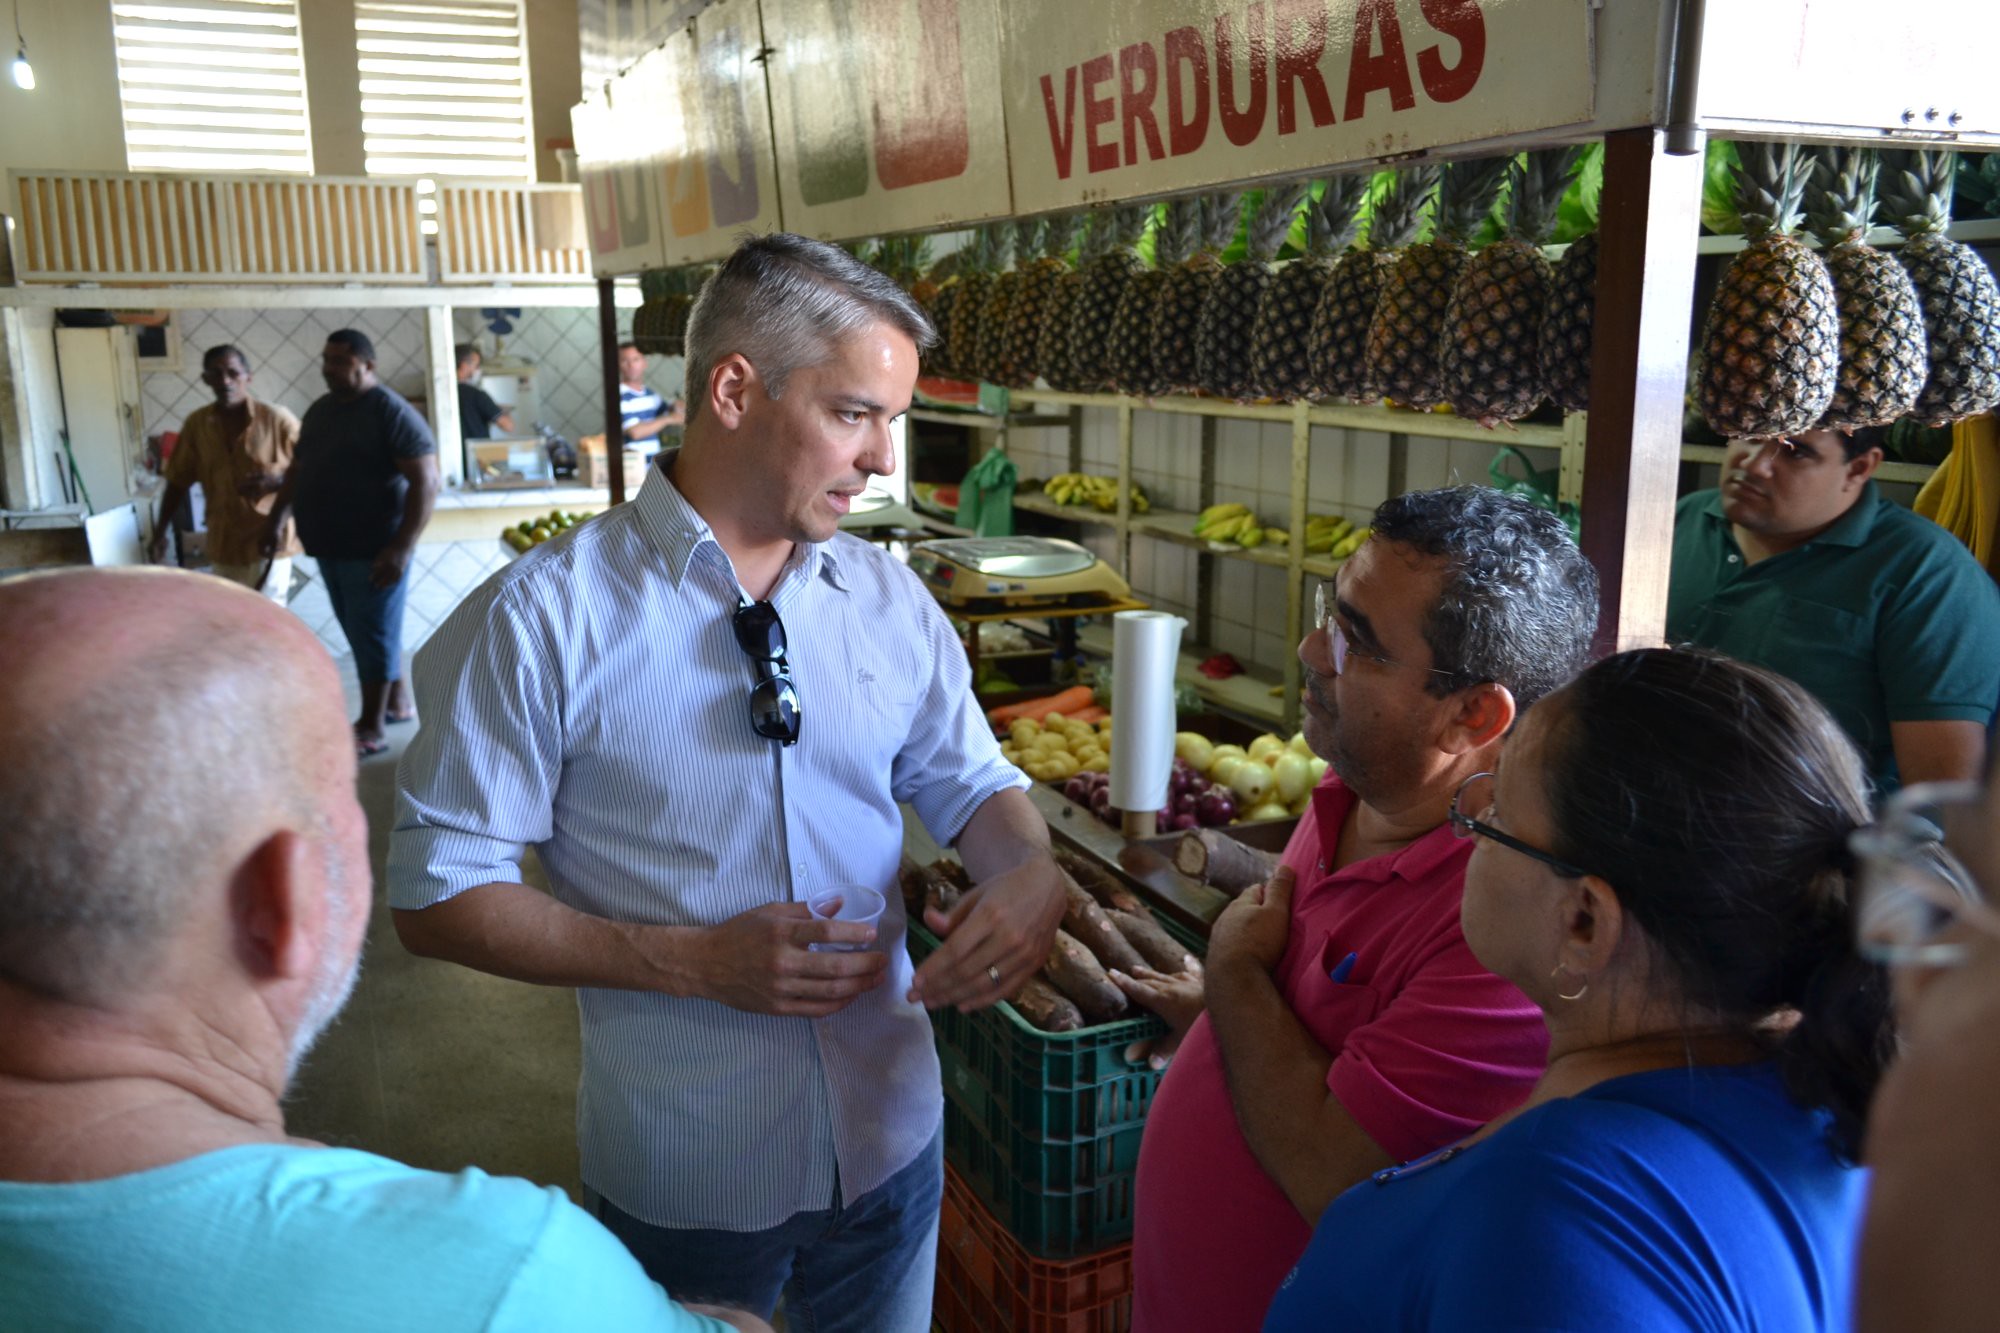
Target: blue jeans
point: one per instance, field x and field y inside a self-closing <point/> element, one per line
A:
<point x="866" y="1266"/>
<point x="370" y="617"/>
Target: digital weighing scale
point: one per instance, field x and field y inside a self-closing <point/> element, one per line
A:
<point x="1043" y="572"/>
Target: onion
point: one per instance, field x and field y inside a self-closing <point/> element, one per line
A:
<point x="1215" y="807"/>
<point x="1100" y="801"/>
<point x="1268" y="810"/>
<point x="1181" y="823"/>
<point x="1294" y="776"/>
<point x="1078" y="789"/>
<point x="1226" y="768"/>
<point x="1252" y="783"/>
<point x="1184" y="804"/>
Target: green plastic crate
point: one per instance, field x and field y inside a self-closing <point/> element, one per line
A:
<point x="1046" y="1125"/>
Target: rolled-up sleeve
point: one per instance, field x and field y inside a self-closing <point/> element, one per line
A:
<point x="950" y="765"/>
<point x="478" y="784"/>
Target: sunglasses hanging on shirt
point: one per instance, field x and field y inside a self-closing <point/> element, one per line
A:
<point x="774" y="699"/>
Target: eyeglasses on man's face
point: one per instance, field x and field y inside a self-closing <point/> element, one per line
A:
<point x="774" y="699"/>
<point x="1339" y="646"/>
<point x="1920" y="895"/>
<point x="1472" y="808"/>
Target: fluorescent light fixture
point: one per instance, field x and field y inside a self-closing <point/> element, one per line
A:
<point x="24" y="73"/>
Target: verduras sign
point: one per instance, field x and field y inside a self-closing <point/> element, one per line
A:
<point x="1149" y="97"/>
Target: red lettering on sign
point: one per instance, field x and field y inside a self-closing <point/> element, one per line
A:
<point x="1462" y="21"/>
<point x="920" y="113"/>
<point x="1062" y="124"/>
<point x="1097" y="113"/>
<point x="1367" y="72"/>
<point x="1298" y="62"/>
<point x="1244" y="124"/>
<point x="1135" y="100"/>
<point x="1187" y="119"/>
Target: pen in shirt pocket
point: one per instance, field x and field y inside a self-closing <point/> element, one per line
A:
<point x="1339" y="972"/>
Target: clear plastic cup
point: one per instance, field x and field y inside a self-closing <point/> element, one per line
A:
<point x="854" y="903"/>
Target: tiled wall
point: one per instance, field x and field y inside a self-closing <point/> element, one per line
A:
<point x="441" y="574"/>
<point x="284" y="348"/>
<point x="1348" y="475"/>
<point x="562" y="345"/>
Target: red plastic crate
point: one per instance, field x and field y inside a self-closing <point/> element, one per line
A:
<point x="987" y="1283"/>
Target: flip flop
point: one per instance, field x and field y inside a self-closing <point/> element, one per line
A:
<point x="369" y="749"/>
<point x="410" y="716"/>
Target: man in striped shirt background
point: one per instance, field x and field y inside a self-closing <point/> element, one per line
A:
<point x="756" y="1116"/>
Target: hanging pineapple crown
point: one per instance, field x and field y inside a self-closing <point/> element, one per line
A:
<point x="1271" y="223"/>
<point x="1465" y="196"/>
<point x="1540" y="178"/>
<point x="1027" y="240"/>
<point x="1399" y="212"/>
<point x="1916" y="190"/>
<point x="1128" y="225"/>
<point x="1771" y="186"/>
<point x="1219" y="216"/>
<point x="1334" y="219"/>
<point x="1060" y="234"/>
<point x="1099" y="235"/>
<point x="1843" y="196"/>
<point x="1180" y="234"/>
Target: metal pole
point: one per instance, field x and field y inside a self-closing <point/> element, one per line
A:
<point x="614" y="420"/>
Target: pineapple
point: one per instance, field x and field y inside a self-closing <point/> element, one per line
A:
<point x="1337" y="348"/>
<point x="1131" y="351"/>
<point x="659" y="326"/>
<point x="1770" y="350"/>
<point x="937" y="361"/>
<point x="1280" y="340"/>
<point x="1104" y="285"/>
<point x="1563" y="350"/>
<point x="1185" y="292"/>
<point x="1038" y="281"/>
<point x="991" y="351"/>
<point x="1053" y="361"/>
<point x="1229" y="316"/>
<point x="976" y="285"/>
<point x="1406" y="337"/>
<point x="1493" y="325"/>
<point x="1882" y="364"/>
<point x="1960" y="300"/>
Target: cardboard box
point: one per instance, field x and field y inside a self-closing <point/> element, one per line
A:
<point x="596" y="472"/>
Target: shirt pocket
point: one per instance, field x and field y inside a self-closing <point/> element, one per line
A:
<point x="1831" y="652"/>
<point x="884" y="674"/>
<point x="1330" y="1009"/>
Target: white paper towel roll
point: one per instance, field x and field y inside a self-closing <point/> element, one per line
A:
<point x="1145" y="645"/>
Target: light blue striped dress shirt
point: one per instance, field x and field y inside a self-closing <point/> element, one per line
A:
<point x="591" y="701"/>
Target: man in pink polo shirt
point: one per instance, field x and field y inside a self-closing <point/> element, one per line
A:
<point x="1347" y="1025"/>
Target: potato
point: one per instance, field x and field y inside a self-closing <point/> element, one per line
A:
<point x="1024" y="729"/>
<point x="1044" y="770"/>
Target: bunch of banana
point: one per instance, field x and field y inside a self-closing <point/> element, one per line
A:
<point x="1336" y="537"/>
<point x="1101" y="493"/>
<point x="1234" y="524"/>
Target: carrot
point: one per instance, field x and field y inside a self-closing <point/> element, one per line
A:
<point x="1094" y="713"/>
<point x="1076" y="696"/>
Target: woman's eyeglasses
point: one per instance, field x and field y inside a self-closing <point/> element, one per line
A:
<point x="774" y="699"/>
<point x="1473" y="801"/>
<point x="1918" y="894"/>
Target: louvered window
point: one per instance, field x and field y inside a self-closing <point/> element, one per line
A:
<point x="444" y="88"/>
<point x="212" y="85"/>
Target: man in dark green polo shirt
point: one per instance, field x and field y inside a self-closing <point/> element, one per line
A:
<point x="1799" y="564"/>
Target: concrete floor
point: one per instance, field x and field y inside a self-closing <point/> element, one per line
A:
<point x="434" y="1064"/>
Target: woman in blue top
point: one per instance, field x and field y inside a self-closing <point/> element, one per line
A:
<point x="1662" y="866"/>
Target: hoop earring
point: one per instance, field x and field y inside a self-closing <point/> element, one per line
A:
<point x="1581" y="990"/>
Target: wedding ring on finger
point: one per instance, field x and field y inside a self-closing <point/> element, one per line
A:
<point x="993" y="975"/>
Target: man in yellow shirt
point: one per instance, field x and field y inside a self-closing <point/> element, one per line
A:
<point x="239" y="450"/>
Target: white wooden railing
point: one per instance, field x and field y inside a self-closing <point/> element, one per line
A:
<point x="121" y="227"/>
<point x="510" y="233"/>
<point x="98" y="226"/>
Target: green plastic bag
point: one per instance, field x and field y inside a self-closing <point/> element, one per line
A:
<point x="986" y="496"/>
<point x="1537" y="487"/>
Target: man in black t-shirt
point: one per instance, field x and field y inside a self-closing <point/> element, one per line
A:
<point x="362" y="486"/>
<point x="478" y="414"/>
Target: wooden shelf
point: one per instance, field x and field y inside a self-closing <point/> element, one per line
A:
<point x="1172" y="525"/>
<point x="1913" y="474"/>
<point x="1248" y="695"/>
<point x="1036" y="502"/>
<point x="1346" y="416"/>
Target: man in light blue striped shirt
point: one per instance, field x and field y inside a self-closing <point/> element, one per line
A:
<point x="629" y="699"/>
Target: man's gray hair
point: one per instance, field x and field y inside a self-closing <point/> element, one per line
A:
<point x="1519" y="605"/>
<point x="784" y="302"/>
